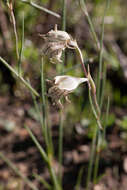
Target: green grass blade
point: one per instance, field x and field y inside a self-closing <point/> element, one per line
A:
<point x="47" y="130"/>
<point x="16" y="170"/>
<point x="101" y="55"/>
<point x="40" y="8"/>
<point x="94" y="35"/>
<point x="21" y="49"/>
<point x="92" y="154"/>
<point x="77" y="186"/>
<point x="43" y="181"/>
<point x="101" y="137"/>
<point x="39" y="147"/>
<point x="60" y="142"/>
<point x="19" y="77"/>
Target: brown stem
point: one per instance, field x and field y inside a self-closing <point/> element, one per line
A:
<point x="90" y="80"/>
<point x="81" y="60"/>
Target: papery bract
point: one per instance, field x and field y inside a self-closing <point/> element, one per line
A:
<point x="55" y="41"/>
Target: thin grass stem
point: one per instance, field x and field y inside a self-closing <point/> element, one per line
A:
<point x="97" y="159"/>
<point x="60" y="146"/>
<point x="101" y="54"/>
<point x="101" y="137"/>
<point x="40" y="8"/>
<point x="93" y="142"/>
<point x="10" y="6"/>
<point x="106" y="118"/>
<point x="79" y="178"/>
<point x="103" y="85"/>
<point x="43" y="181"/>
<point x="41" y="150"/>
<point x="84" y="9"/>
<point x="64" y="15"/>
<point x="19" y="77"/>
<point x="37" y="109"/>
<point x="46" y="158"/>
<point x="60" y="142"/>
<point x="92" y="154"/>
<point x="100" y="93"/>
<point x="44" y="126"/>
<point x="16" y="170"/>
<point x="21" y="49"/>
<point x="46" y="129"/>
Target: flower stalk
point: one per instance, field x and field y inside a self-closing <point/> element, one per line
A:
<point x="91" y="86"/>
<point x="10" y="7"/>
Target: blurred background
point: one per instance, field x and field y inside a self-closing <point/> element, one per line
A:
<point x="17" y="109"/>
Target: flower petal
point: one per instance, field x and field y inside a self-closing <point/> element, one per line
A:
<point x="68" y="83"/>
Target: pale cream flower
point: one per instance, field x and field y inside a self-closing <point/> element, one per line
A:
<point x="61" y="86"/>
<point x="55" y="41"/>
<point x="68" y="83"/>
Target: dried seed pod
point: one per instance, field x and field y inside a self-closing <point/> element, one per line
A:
<point x="55" y="41"/>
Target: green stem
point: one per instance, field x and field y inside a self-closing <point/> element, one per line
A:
<point x="93" y="148"/>
<point x="93" y="142"/>
<point x="103" y="85"/>
<point x="94" y="111"/>
<point x="60" y="143"/>
<point x="64" y="15"/>
<point x="21" y="49"/>
<point x="60" y="146"/>
<point x="46" y="159"/>
<point x="77" y="186"/>
<point x="84" y="9"/>
<point x="42" y="152"/>
<point x="44" y="126"/>
<point x="106" y="118"/>
<point x="101" y="54"/>
<point x="19" y="77"/>
<point x="100" y="93"/>
<point x="16" y="170"/>
<point x="43" y="181"/>
<point x="54" y="178"/>
<point x="40" y="8"/>
<point x="97" y="159"/>
<point x="99" y="144"/>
